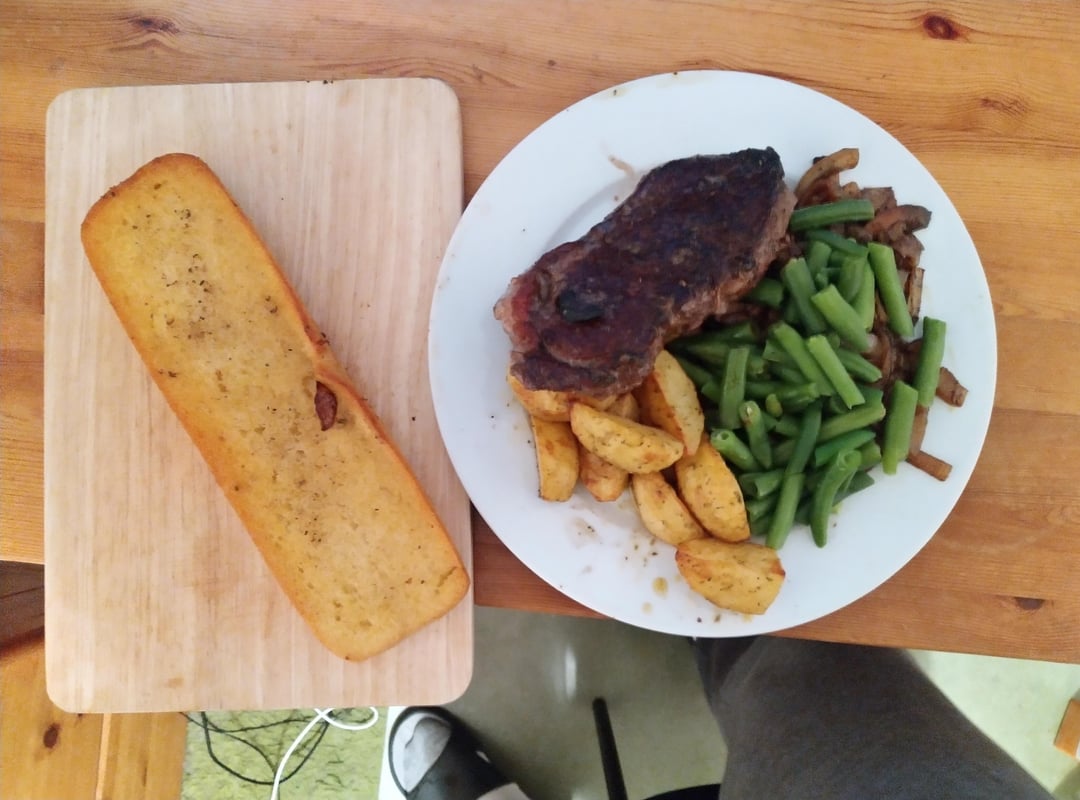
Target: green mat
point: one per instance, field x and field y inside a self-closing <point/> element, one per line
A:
<point x="233" y="755"/>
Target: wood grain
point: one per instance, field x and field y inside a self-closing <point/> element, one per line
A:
<point x="45" y="752"/>
<point x="982" y="92"/>
<point x="355" y="186"/>
<point x="142" y="756"/>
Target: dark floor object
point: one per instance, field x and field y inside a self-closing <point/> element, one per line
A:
<point x="613" y="777"/>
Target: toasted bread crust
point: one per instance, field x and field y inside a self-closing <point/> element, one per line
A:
<point x="325" y="495"/>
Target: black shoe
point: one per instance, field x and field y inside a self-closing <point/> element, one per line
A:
<point x="458" y="768"/>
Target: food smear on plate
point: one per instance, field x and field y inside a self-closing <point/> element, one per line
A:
<point x="741" y="366"/>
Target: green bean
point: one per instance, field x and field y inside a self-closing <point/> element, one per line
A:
<point x="824" y="453"/>
<point x="775" y="354"/>
<point x="756" y="435"/>
<point x="787" y="426"/>
<point x="711" y="351"/>
<point x="761" y="484"/>
<point x="822" y="278"/>
<point x="898" y="424"/>
<point x="851" y="277"/>
<point x="842" y="317"/>
<point x="761" y="525"/>
<point x="836" y="259"/>
<point x="712" y="346"/>
<point x="784" y="512"/>
<point x="789" y="339"/>
<point x="802" y="511"/>
<point x="768" y="292"/>
<point x="840" y="470"/>
<point x="756" y="366"/>
<point x="858" y="367"/>
<point x="856" y="483"/>
<point x="769" y="420"/>
<point x="883" y="261"/>
<point x="789" y="375"/>
<point x="817" y="256"/>
<point x="711" y="389"/>
<point x="931" y="354"/>
<point x="773" y="404"/>
<point x="872" y="394"/>
<point x="733" y="387"/>
<point x="822" y="352"/>
<point x="794" y="397"/>
<point x="781" y="453"/>
<point x="836" y="406"/>
<point x="760" y="507"/>
<point x="759" y="390"/>
<point x="844" y="486"/>
<point x="859" y="417"/>
<point x="822" y="216"/>
<point x="742" y="332"/>
<point x="836" y="242"/>
<point x="800" y="285"/>
<point x="804" y="442"/>
<point x="870" y="454"/>
<point x="865" y="302"/>
<point x="790" y="314"/>
<point x="696" y="373"/>
<point x="734" y="450"/>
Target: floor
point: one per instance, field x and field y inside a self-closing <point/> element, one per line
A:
<point x="530" y="700"/>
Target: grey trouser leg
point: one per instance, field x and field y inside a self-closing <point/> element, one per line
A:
<point x="815" y="720"/>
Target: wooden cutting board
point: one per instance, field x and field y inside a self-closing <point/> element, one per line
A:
<point x="156" y="598"/>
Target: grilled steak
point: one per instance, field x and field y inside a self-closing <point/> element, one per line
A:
<point x="696" y="234"/>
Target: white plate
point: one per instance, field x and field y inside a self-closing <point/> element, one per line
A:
<point x="558" y="182"/>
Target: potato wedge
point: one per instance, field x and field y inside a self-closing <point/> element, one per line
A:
<point x="625" y="405"/>
<point x="550" y="405"/>
<point x="627" y="444"/>
<point x="664" y="515"/>
<point x="603" y="480"/>
<point x="669" y="401"/>
<point x="712" y="493"/>
<point x="744" y="577"/>
<point x="556" y="458"/>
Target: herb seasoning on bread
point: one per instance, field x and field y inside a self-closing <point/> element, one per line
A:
<point x="325" y="495"/>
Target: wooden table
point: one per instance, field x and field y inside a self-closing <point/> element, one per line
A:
<point x="983" y="93"/>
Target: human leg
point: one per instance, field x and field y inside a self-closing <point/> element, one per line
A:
<point x="812" y="719"/>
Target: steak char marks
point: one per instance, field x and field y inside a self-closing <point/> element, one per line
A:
<point x="696" y="234"/>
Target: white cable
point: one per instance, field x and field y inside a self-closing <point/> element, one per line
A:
<point x="322" y="714"/>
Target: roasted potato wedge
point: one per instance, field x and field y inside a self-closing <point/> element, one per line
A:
<point x="556" y="458"/>
<point x="625" y="405"/>
<point x="744" y="577"/>
<point x="549" y="405"/>
<point x="602" y="479"/>
<point x="712" y="493"/>
<point x="664" y="515"/>
<point x="669" y="401"/>
<point x="627" y="444"/>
